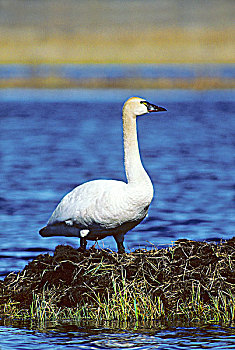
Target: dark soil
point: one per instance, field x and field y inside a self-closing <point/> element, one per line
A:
<point x="168" y="273"/>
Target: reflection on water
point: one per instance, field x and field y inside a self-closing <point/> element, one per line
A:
<point x="74" y="337"/>
<point x="48" y="148"/>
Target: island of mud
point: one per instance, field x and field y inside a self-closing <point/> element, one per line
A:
<point x="193" y="281"/>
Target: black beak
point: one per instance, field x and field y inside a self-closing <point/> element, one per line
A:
<point x="153" y="108"/>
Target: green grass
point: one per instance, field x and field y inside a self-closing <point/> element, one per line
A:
<point x="219" y="310"/>
<point x="128" y="303"/>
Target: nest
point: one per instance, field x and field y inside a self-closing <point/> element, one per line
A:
<point x="73" y="277"/>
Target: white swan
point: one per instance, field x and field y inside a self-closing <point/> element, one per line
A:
<point x="100" y="208"/>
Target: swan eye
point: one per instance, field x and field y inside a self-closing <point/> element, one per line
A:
<point x="144" y="103"/>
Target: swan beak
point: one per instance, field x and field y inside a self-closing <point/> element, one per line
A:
<point x="153" y="108"/>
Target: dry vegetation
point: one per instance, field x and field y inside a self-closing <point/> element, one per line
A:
<point x="190" y="281"/>
<point x="115" y="31"/>
<point x="56" y="82"/>
<point x="166" y="45"/>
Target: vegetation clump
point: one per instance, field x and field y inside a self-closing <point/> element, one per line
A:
<point x="190" y="280"/>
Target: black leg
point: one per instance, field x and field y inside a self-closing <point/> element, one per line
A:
<point x="83" y="244"/>
<point x="119" y="240"/>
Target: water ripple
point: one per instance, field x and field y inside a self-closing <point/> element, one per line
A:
<point x="50" y="143"/>
<point x="208" y="337"/>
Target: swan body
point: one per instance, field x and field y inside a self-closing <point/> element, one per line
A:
<point x="100" y="208"/>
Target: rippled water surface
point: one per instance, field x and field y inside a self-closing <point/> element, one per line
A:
<point x="49" y="146"/>
<point x="52" y="141"/>
<point x="73" y="337"/>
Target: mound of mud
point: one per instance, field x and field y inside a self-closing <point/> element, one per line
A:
<point x="71" y="277"/>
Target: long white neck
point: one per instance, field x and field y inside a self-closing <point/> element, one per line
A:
<point x="135" y="171"/>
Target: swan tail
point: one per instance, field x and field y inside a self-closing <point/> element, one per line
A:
<point x="59" y="229"/>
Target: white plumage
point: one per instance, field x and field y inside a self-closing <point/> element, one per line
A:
<point x="100" y="208"/>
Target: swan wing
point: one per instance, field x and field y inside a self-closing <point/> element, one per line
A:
<point x="98" y="202"/>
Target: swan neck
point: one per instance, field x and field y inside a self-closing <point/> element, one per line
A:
<point x="135" y="171"/>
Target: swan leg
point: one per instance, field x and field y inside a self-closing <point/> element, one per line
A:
<point x="119" y="240"/>
<point x="83" y="244"/>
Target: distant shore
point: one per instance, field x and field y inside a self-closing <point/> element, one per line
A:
<point x="161" y="46"/>
<point x="56" y="82"/>
<point x="52" y="32"/>
<point x="166" y="45"/>
<point x="114" y="31"/>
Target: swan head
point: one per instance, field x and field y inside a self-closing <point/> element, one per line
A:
<point x="139" y="106"/>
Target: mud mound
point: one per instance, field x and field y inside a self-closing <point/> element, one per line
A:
<point x="72" y="277"/>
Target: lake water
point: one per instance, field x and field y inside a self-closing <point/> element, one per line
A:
<point x="116" y="71"/>
<point x="91" y="338"/>
<point x="52" y="141"/>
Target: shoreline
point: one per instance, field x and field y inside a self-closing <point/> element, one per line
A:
<point x="56" y="82"/>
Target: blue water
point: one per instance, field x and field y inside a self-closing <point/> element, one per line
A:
<point x="74" y="337"/>
<point x="52" y="141"/>
<point x="116" y="71"/>
<point x="49" y="146"/>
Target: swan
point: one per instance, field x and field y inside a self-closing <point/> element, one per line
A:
<point x="100" y="208"/>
